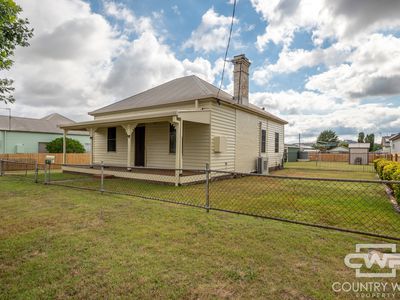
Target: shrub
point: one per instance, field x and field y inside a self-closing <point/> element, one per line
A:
<point x="380" y="165"/>
<point x="376" y="161"/>
<point x="389" y="169"/>
<point x="73" y="146"/>
<point x="396" y="187"/>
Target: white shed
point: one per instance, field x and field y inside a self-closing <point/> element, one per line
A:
<point x="358" y="153"/>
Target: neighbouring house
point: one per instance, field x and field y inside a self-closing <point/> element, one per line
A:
<point x="28" y="135"/>
<point x="385" y="143"/>
<point x="358" y="153"/>
<point x="338" y="150"/>
<point x="187" y="123"/>
<point x="395" y="144"/>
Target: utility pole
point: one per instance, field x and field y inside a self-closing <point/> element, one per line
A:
<point x="299" y="140"/>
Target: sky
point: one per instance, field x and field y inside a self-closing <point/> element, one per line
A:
<point x="318" y="64"/>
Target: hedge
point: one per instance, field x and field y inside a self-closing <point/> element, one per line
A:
<point x="389" y="170"/>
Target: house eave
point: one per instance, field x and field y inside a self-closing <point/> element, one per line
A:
<point x="198" y="116"/>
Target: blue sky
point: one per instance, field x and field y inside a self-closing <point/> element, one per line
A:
<point x="319" y="64"/>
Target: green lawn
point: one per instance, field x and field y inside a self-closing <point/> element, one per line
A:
<point x="350" y="205"/>
<point x="325" y="173"/>
<point x="330" y="165"/>
<point x="58" y="242"/>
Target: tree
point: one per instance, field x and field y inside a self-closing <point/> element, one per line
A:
<point x="73" y="146"/>
<point x="326" y="140"/>
<point x="14" y="32"/>
<point x="370" y="138"/>
<point x="328" y="136"/>
<point x="361" y="137"/>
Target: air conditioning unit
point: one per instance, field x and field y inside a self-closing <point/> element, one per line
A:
<point x="262" y="165"/>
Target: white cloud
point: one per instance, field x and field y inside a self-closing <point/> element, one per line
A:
<point x="343" y="20"/>
<point x="176" y="10"/>
<point x="362" y="61"/>
<point x="212" y="33"/>
<point x="309" y="113"/>
<point x="291" y="61"/>
<point x="79" y="61"/>
<point x="373" y="71"/>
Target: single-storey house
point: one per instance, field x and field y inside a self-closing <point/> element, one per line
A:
<point x="29" y="135"/>
<point x="385" y="143"/>
<point x="186" y="123"/>
<point x="395" y="144"/>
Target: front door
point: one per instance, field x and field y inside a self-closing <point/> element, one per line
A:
<point x="139" y="146"/>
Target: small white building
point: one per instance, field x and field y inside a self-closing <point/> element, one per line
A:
<point x="187" y="123"/>
<point x="358" y="153"/>
<point x="395" y="144"/>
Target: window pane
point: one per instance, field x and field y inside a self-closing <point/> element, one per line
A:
<point x="276" y="142"/>
<point x="263" y="140"/>
<point x="172" y="139"/>
<point x="112" y="139"/>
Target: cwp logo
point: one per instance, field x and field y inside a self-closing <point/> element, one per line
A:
<point x="367" y="260"/>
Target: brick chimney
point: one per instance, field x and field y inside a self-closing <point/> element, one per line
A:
<point x="241" y="66"/>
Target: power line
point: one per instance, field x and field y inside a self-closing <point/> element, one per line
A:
<point x="227" y="46"/>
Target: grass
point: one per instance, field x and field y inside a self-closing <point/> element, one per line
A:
<point x="349" y="205"/>
<point x="58" y="242"/>
<point x="325" y="173"/>
<point x="330" y="165"/>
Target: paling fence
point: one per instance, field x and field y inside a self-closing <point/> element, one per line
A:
<point x="72" y="158"/>
<point x="361" y="206"/>
<point x="336" y="162"/>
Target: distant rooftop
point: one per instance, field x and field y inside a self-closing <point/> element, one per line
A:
<point x="47" y="124"/>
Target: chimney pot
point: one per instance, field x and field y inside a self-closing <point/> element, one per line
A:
<point x="241" y="65"/>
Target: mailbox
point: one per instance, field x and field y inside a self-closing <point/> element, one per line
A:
<point x="50" y="159"/>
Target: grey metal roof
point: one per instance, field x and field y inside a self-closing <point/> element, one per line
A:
<point x="178" y="90"/>
<point x="47" y="124"/>
<point x="394" y="137"/>
<point x="360" y="145"/>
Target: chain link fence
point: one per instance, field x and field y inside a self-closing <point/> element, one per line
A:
<point x="330" y="165"/>
<point x="25" y="169"/>
<point x="360" y="206"/>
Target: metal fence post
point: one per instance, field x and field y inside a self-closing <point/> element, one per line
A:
<point x="207" y="170"/>
<point x="102" y="178"/>
<point x="1" y="167"/>
<point x="36" y="172"/>
<point x="46" y="181"/>
<point x="49" y="178"/>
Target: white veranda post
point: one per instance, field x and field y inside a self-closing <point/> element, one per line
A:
<point x="65" y="146"/>
<point x="129" y="128"/>
<point x="178" y="124"/>
<point x="92" y="131"/>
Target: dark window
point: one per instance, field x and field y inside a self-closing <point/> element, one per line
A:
<point x="172" y="139"/>
<point x="263" y="140"/>
<point x="276" y="142"/>
<point x="112" y="139"/>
